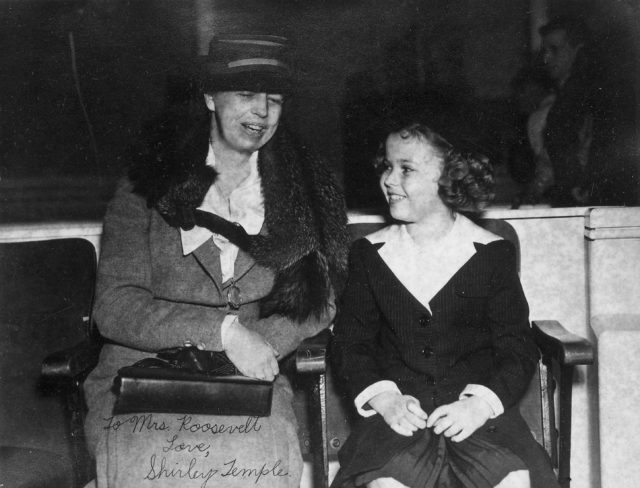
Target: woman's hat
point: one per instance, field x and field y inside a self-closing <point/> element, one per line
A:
<point x="255" y="63"/>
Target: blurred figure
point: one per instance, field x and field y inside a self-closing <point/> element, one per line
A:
<point x="580" y="135"/>
<point x="528" y="160"/>
<point x="569" y="123"/>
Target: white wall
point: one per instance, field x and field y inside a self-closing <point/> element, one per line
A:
<point x="613" y="251"/>
<point x="554" y="277"/>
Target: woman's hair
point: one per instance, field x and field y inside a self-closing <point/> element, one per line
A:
<point x="466" y="183"/>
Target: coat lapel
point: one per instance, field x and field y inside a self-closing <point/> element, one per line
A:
<point x="389" y="289"/>
<point x="243" y="264"/>
<point x="244" y="261"/>
<point x="208" y="255"/>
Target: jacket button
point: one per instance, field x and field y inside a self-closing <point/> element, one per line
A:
<point x="492" y="429"/>
<point x="424" y="321"/>
<point x="427" y="352"/>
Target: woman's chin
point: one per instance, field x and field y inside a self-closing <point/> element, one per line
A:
<point x="399" y="215"/>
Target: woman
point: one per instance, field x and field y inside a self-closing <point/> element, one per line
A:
<point x="432" y="340"/>
<point x="166" y="280"/>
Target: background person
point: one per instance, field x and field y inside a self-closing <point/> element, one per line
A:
<point x="568" y="133"/>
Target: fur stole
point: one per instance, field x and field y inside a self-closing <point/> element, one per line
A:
<point x="306" y="240"/>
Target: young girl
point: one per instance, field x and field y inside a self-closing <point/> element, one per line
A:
<point x="432" y="340"/>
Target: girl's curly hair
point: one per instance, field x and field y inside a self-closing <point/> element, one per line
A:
<point x="466" y="183"/>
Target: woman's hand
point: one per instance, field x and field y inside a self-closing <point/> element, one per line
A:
<point x="401" y="412"/>
<point x="250" y="353"/>
<point x="460" y="419"/>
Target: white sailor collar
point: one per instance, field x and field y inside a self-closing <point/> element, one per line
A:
<point x="424" y="271"/>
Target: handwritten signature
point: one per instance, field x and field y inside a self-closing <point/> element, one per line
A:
<point x="159" y="470"/>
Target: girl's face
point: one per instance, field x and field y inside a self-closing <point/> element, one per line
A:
<point x="410" y="177"/>
<point x="245" y="121"/>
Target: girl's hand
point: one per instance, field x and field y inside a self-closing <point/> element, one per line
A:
<point x="401" y="412"/>
<point x="460" y="419"/>
<point x="250" y="353"/>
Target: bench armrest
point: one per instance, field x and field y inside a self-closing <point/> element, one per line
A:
<point x="71" y="363"/>
<point x="558" y="343"/>
<point x="311" y="354"/>
<point x="550" y="336"/>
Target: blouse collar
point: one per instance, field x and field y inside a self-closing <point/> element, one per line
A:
<point x="425" y="271"/>
<point x="245" y="206"/>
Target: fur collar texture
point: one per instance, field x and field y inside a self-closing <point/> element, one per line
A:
<point x="306" y="239"/>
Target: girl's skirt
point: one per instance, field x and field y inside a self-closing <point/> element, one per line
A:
<point x="426" y="460"/>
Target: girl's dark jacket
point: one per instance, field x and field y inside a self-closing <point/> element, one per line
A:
<point x="478" y="332"/>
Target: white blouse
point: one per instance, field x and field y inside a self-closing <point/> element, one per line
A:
<point x="245" y="206"/>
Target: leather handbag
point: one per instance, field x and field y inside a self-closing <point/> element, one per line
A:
<point x="189" y="380"/>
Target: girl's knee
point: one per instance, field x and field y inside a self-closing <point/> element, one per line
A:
<point x="385" y="483"/>
<point x="515" y="479"/>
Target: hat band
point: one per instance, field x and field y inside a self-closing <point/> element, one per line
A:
<point x="278" y="41"/>
<point x="256" y="61"/>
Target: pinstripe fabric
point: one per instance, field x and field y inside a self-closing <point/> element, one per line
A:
<point x="478" y="332"/>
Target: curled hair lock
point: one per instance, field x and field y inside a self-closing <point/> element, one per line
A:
<point x="466" y="183"/>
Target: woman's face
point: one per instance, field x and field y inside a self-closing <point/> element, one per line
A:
<point x="245" y="121"/>
<point x="410" y="178"/>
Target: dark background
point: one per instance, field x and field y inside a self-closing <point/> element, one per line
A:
<point x="78" y="79"/>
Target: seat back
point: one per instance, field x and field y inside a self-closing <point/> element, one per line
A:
<point x="339" y="412"/>
<point x="46" y="292"/>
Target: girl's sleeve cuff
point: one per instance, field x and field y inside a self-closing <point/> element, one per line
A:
<point x="487" y="395"/>
<point x="369" y="392"/>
